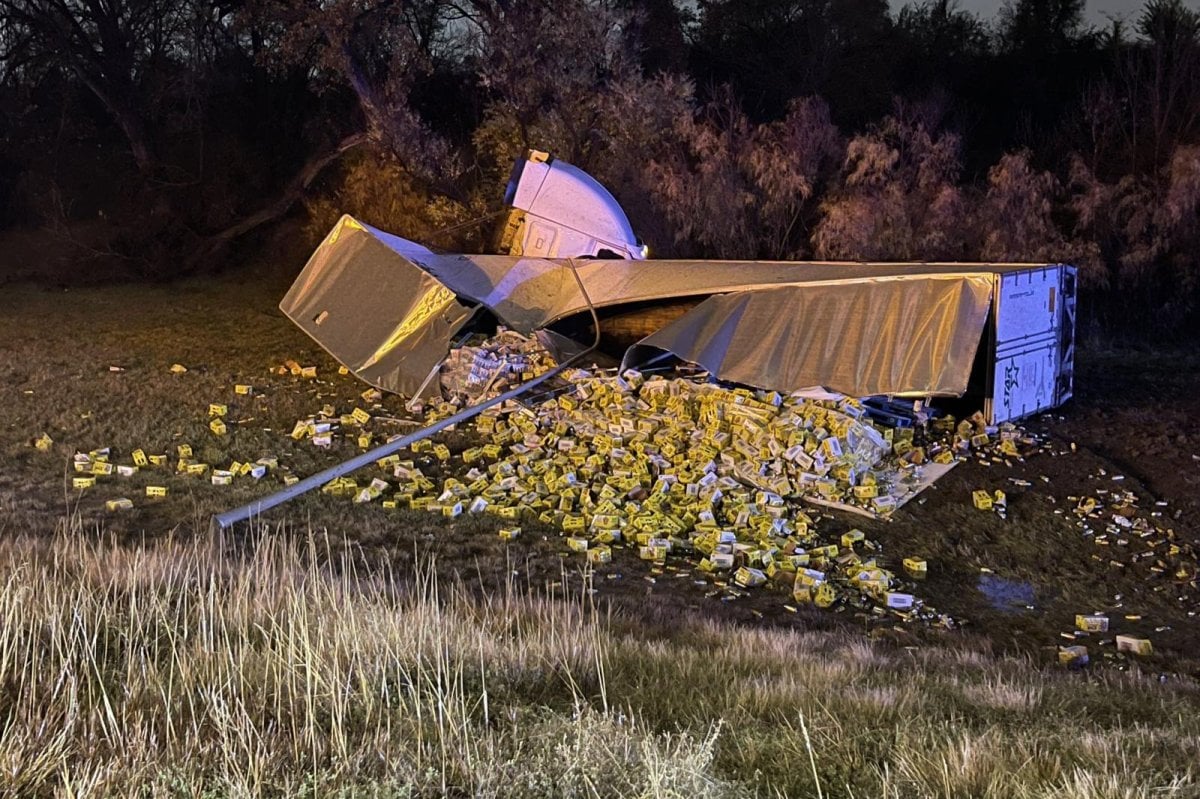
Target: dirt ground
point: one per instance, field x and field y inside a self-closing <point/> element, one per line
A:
<point x="91" y="368"/>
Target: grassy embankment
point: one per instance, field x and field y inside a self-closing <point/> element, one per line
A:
<point x="266" y="667"/>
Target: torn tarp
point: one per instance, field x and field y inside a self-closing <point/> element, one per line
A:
<point x="389" y="309"/>
<point x="879" y="336"/>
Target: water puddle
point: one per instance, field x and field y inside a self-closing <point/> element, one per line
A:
<point x="1009" y="596"/>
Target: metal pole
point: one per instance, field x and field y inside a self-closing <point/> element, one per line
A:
<point x="231" y="517"/>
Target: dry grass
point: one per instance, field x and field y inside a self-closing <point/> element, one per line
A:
<point x="148" y="660"/>
<point x="186" y="670"/>
<point x="284" y="666"/>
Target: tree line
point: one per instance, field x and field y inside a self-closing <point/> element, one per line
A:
<point x="163" y="136"/>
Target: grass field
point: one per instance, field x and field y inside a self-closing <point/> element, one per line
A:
<point x="337" y="649"/>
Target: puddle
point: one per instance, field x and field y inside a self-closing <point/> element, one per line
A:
<point x="1010" y="596"/>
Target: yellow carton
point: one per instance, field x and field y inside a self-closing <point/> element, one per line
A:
<point x="916" y="567"/>
<point x="1093" y="623"/>
<point x="118" y="504"/>
<point x="1073" y="655"/>
<point x="510" y="533"/>
<point x="217" y="409"/>
<point x="982" y="499"/>
<point x="360" y="416"/>
<point x="749" y="578"/>
<point x="1136" y="646"/>
<point x="156" y="491"/>
<point x="218" y="427"/>
<point x="184" y="450"/>
<point x="243" y="389"/>
<point x="83" y="482"/>
<point x="44" y="442"/>
<point x="139" y="457"/>
<point x="853" y="537"/>
<point x="601" y="553"/>
<point x="824" y="595"/>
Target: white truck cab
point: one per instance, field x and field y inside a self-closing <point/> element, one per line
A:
<point x="559" y="211"/>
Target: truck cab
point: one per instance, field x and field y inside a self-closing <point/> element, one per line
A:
<point x="556" y="210"/>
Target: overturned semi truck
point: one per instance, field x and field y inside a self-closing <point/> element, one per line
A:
<point x="390" y="309"/>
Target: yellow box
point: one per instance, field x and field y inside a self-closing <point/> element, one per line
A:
<point x="441" y="452"/>
<point x="184" y="450"/>
<point x="853" y="537"/>
<point x="156" y="491"/>
<point x="102" y="468"/>
<point x="197" y="469"/>
<point x="217" y="409"/>
<point x="243" y="390"/>
<point x="139" y="457"/>
<point x="83" y="482"/>
<point x="1073" y="655"/>
<point x="44" y="442"/>
<point x="118" y="504"/>
<point x="916" y="567"/>
<point x="157" y="460"/>
<point x="577" y="544"/>
<point x="1136" y="646"/>
<point x="308" y="371"/>
<point x="749" y="578"/>
<point x="824" y="595"/>
<point x="829" y="551"/>
<point x="360" y="416"/>
<point x="1092" y="623"/>
<point x="982" y="500"/>
<point x="509" y="533"/>
<point x="218" y="427"/>
<point x="599" y="554"/>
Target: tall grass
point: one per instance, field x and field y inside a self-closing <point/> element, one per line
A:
<point x="186" y="670"/>
<point x="282" y="666"/>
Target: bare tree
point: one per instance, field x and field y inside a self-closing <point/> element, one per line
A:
<point x="108" y="45"/>
<point x="733" y="189"/>
<point x="899" y="196"/>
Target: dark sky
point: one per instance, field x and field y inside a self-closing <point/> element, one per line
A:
<point x="1095" y="14"/>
